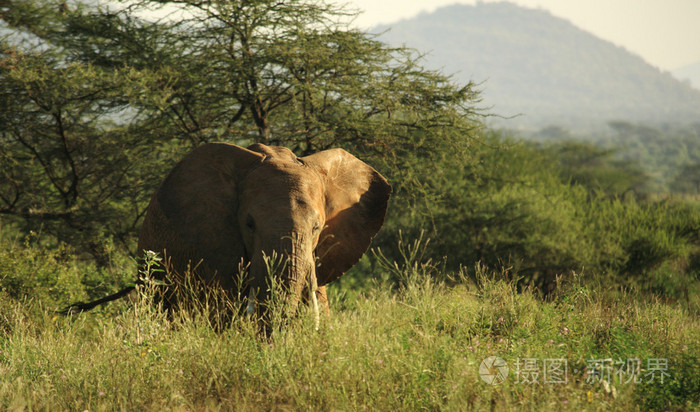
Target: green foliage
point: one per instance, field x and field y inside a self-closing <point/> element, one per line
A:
<point x="67" y="167"/>
<point x="48" y="276"/>
<point x="414" y="268"/>
<point x="662" y="152"/>
<point x="687" y="180"/>
<point x="505" y="207"/>
<point x="544" y="211"/>
<point x="645" y="159"/>
<point x="680" y="390"/>
<point x="597" y="169"/>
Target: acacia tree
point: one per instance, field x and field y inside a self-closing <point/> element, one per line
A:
<point x="107" y="99"/>
<point x="277" y="72"/>
<point x="66" y="167"/>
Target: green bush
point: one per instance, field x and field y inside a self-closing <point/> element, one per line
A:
<point x="512" y="205"/>
<point x="680" y="391"/>
<point x="650" y="245"/>
<point x="51" y="277"/>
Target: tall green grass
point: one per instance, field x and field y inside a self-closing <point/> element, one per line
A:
<point x="413" y="344"/>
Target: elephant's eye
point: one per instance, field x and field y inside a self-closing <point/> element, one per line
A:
<point x="317" y="227"/>
<point x="250" y="223"/>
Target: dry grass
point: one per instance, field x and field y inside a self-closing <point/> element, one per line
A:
<point x="418" y="347"/>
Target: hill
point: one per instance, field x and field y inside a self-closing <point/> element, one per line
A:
<point x="543" y="67"/>
<point x="690" y="73"/>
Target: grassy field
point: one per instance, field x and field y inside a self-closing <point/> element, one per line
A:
<point x="415" y="346"/>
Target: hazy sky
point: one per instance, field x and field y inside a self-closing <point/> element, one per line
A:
<point x="666" y="33"/>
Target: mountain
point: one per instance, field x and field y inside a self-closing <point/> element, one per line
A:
<point x="543" y="68"/>
<point x="690" y="73"/>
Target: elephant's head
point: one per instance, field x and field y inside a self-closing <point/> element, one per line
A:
<point x="223" y="204"/>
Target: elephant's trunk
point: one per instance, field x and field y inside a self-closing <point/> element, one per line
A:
<point x="281" y="269"/>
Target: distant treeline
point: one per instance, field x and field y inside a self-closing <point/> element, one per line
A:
<point x="660" y="160"/>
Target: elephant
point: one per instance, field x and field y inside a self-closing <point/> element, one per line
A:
<point x="224" y="205"/>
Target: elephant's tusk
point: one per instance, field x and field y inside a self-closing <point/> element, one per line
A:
<point x="314" y="299"/>
<point x="251" y="302"/>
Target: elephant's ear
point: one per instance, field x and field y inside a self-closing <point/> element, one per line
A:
<point x="199" y="200"/>
<point x="356" y="201"/>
